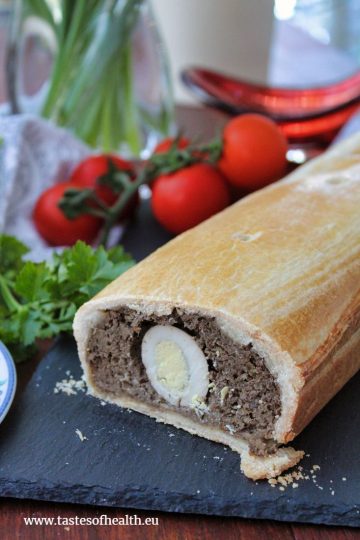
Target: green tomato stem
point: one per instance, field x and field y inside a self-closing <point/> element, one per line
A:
<point x="116" y="210"/>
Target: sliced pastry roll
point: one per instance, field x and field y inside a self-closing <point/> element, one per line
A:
<point x="241" y="329"/>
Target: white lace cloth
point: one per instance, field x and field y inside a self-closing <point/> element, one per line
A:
<point x="34" y="155"/>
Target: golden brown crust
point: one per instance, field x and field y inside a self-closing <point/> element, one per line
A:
<point x="280" y="268"/>
<point x="336" y="368"/>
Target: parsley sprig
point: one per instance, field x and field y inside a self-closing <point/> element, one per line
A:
<point x="39" y="300"/>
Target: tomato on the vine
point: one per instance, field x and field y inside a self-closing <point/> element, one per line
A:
<point x="55" y="227"/>
<point x="254" y="152"/>
<point x="87" y="173"/>
<point x="188" y="196"/>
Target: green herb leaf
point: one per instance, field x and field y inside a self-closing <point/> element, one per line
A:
<point x="30" y="283"/>
<point x="11" y="254"/>
<point x="39" y="300"/>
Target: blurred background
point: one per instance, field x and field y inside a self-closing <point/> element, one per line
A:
<point x="285" y="42"/>
<point x="127" y="70"/>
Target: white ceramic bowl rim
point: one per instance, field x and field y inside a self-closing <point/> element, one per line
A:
<point x="10" y="381"/>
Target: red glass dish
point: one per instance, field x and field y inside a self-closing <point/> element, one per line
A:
<point x="304" y="114"/>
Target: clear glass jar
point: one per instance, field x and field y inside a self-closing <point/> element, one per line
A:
<point x="97" y="67"/>
<point x="332" y="22"/>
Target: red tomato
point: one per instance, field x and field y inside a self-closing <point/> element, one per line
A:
<point x="188" y="196"/>
<point x="55" y="227"/>
<point x="92" y="168"/>
<point x="165" y="145"/>
<point x="254" y="152"/>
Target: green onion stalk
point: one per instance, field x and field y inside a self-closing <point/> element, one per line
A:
<point x="91" y="86"/>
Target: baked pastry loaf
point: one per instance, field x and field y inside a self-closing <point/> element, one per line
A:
<point x="241" y="329"/>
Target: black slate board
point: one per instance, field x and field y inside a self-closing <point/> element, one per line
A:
<point x="129" y="460"/>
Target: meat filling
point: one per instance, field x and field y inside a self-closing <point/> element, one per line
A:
<point x="243" y="397"/>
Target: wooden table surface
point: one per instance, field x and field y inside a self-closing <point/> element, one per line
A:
<point x="171" y="526"/>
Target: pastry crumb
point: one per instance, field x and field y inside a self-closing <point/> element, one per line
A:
<point x="290" y="479"/>
<point x="70" y="386"/>
<point x="80" y="435"/>
<point x="272" y="481"/>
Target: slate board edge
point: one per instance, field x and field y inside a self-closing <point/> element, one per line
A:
<point x="140" y="499"/>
